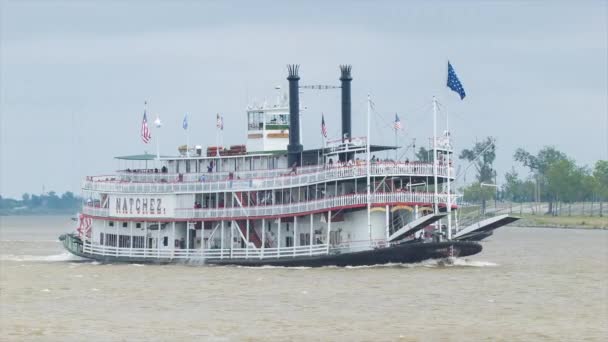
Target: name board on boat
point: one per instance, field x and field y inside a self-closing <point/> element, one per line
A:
<point x="142" y="206"/>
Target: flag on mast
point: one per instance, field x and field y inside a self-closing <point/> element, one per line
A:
<point x="185" y="122"/>
<point x="145" y="131"/>
<point x="220" y="122"/>
<point x="454" y="82"/>
<point x="323" y="127"/>
<point x="397" y="124"/>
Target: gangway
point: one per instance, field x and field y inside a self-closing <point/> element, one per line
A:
<point x="415" y="226"/>
<point x="484" y="228"/>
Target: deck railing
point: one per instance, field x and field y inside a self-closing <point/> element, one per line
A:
<point x="270" y="179"/>
<point x="204" y="253"/>
<point x="337" y="202"/>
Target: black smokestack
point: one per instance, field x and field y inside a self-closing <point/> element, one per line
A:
<point x="345" y="78"/>
<point x="294" y="149"/>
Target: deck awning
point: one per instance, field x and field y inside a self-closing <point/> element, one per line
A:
<point x="145" y="156"/>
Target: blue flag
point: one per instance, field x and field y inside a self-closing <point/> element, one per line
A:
<point x="454" y="82"/>
<point x="185" y="123"/>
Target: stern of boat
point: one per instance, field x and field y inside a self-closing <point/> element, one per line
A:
<point x="72" y="243"/>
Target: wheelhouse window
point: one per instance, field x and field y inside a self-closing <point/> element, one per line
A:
<point x="281" y="121"/>
<point x="255" y="121"/>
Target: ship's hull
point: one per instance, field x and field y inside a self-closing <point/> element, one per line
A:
<point x="396" y="254"/>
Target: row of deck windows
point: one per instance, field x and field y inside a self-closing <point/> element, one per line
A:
<point x="124" y="224"/>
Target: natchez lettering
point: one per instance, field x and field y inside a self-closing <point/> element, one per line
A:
<point x="143" y="206"/>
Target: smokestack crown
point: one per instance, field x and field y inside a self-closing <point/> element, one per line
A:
<point x="345" y="69"/>
<point x="292" y="71"/>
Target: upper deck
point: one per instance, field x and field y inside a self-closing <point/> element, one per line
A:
<point x="156" y="181"/>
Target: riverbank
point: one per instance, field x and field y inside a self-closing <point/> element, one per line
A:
<point x="568" y="222"/>
<point x="39" y="212"/>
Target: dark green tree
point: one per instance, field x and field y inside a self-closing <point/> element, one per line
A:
<point x="539" y="165"/>
<point x="600" y="175"/>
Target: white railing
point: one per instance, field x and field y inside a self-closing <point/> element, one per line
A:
<point x="204" y="254"/>
<point x="337" y="202"/>
<point x="146" y="176"/>
<point x="268" y="181"/>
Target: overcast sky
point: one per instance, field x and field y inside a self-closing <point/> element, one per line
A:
<point x="74" y="75"/>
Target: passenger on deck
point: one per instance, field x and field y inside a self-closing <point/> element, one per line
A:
<point x="164" y="169"/>
<point x="294" y="168"/>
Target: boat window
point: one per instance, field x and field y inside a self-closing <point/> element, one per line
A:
<point x="255" y="120"/>
<point x="124" y="241"/>
<point x="138" y="242"/>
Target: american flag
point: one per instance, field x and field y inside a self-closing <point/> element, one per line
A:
<point x="323" y="127"/>
<point x="397" y="124"/>
<point x="220" y="122"/>
<point x="145" y="132"/>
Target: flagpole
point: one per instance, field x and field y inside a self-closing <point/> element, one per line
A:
<point x="449" y="199"/>
<point x="396" y="144"/>
<point x="157" y="123"/>
<point x="187" y="143"/>
<point x="217" y="148"/>
<point x="369" y="203"/>
<point x="434" y="147"/>
<point x="158" y="144"/>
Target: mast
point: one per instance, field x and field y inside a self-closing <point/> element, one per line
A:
<point x="449" y="166"/>
<point x="396" y="143"/>
<point x="368" y="172"/>
<point x="435" y="200"/>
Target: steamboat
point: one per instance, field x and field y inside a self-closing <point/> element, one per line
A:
<point x="273" y="202"/>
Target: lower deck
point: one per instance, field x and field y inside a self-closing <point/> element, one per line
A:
<point x="320" y="255"/>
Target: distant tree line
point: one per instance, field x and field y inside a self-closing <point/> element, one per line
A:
<point x="44" y="204"/>
<point x="556" y="178"/>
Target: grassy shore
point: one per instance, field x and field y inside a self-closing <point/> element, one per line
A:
<point x="590" y="222"/>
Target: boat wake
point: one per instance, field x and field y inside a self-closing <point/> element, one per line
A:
<point x="459" y="262"/>
<point x="435" y="263"/>
<point x="66" y="256"/>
